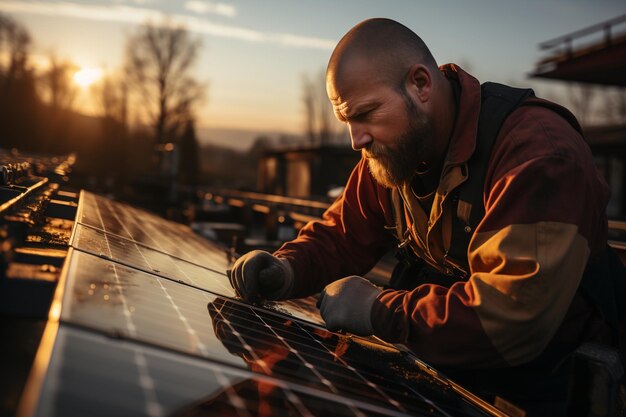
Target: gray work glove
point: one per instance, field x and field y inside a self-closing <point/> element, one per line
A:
<point x="260" y="275"/>
<point x="346" y="304"/>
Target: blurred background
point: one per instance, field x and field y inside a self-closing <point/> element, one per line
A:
<point x="179" y="106"/>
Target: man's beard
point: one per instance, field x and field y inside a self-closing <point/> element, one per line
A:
<point x="393" y="167"/>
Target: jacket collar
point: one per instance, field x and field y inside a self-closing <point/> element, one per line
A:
<point x="463" y="139"/>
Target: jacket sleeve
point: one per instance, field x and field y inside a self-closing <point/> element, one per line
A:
<point x="544" y="218"/>
<point x="349" y="240"/>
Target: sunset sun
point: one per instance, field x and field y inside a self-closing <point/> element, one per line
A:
<point x="87" y="76"/>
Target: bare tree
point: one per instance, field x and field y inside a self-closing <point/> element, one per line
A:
<point x="112" y="96"/>
<point x="159" y="59"/>
<point x="59" y="88"/>
<point x="320" y="123"/>
<point x="581" y="97"/>
<point x="308" y="100"/>
<point x="615" y="106"/>
<point x="14" y="48"/>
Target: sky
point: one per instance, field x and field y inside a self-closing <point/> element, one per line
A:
<point x="255" y="53"/>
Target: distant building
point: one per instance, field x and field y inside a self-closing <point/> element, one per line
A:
<point x="306" y="171"/>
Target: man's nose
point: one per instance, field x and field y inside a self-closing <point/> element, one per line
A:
<point x="359" y="136"/>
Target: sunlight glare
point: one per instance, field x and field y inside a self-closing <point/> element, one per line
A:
<point x="87" y="76"/>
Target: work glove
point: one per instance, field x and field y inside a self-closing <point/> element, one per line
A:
<point x="346" y="304"/>
<point x="260" y="275"/>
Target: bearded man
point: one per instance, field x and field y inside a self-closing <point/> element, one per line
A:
<point x="496" y="298"/>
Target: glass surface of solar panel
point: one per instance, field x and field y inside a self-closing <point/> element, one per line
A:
<point x="118" y="300"/>
<point x="91" y="375"/>
<point x="105" y="229"/>
<point x="132" y="254"/>
<point x="150" y="230"/>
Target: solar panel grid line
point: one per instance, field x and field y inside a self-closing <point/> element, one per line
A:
<point x="156" y="231"/>
<point x="101" y="224"/>
<point x="296" y="338"/>
<point x="293" y="396"/>
<point x="233" y="397"/>
<point x="173" y="258"/>
<point x="276" y="316"/>
<point x="297" y="403"/>
<point x="130" y="252"/>
<point x="302" y="408"/>
<point x="201" y="346"/>
<point x="306" y="363"/>
<point x="203" y="294"/>
<point x="112" y="217"/>
<point x="369" y="382"/>
<point x="113" y="210"/>
<point x="85" y="210"/>
<point x="287" y="332"/>
<point x="362" y="374"/>
<point x="246" y="346"/>
<point x="196" y="342"/>
<point x="293" y="309"/>
<point x="303" y="389"/>
<point x="105" y="393"/>
<point x="351" y="368"/>
<point x="120" y="287"/>
<point x="258" y="340"/>
<point x="192" y="332"/>
<point x="153" y="408"/>
<point x="141" y="244"/>
<point x="203" y="349"/>
<point x="155" y="224"/>
<point x="178" y="312"/>
<point x="227" y="290"/>
<point x="296" y="389"/>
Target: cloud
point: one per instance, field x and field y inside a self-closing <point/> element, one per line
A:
<point x="138" y="15"/>
<point x="204" y="7"/>
<point x="135" y="1"/>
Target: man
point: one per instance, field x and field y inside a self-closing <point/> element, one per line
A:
<point x="508" y="303"/>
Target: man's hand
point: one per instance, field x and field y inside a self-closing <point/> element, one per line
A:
<point x="346" y="304"/>
<point x="260" y="275"/>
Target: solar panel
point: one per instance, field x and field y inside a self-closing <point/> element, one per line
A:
<point x="144" y="241"/>
<point x="149" y="325"/>
<point x="149" y="230"/>
<point x="130" y="379"/>
<point x="135" y="255"/>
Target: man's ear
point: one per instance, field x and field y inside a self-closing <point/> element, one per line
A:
<point x="419" y="82"/>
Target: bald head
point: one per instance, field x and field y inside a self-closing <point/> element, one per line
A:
<point x="387" y="47"/>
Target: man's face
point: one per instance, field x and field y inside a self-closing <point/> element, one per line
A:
<point x="385" y="124"/>
<point x="392" y="166"/>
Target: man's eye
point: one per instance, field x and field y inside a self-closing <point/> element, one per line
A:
<point x="361" y="116"/>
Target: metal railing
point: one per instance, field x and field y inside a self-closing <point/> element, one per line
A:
<point x="241" y="198"/>
<point x="567" y="41"/>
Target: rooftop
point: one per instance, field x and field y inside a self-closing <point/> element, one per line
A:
<point x="596" y="55"/>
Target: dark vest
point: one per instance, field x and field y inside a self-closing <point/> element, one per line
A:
<point x="604" y="278"/>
